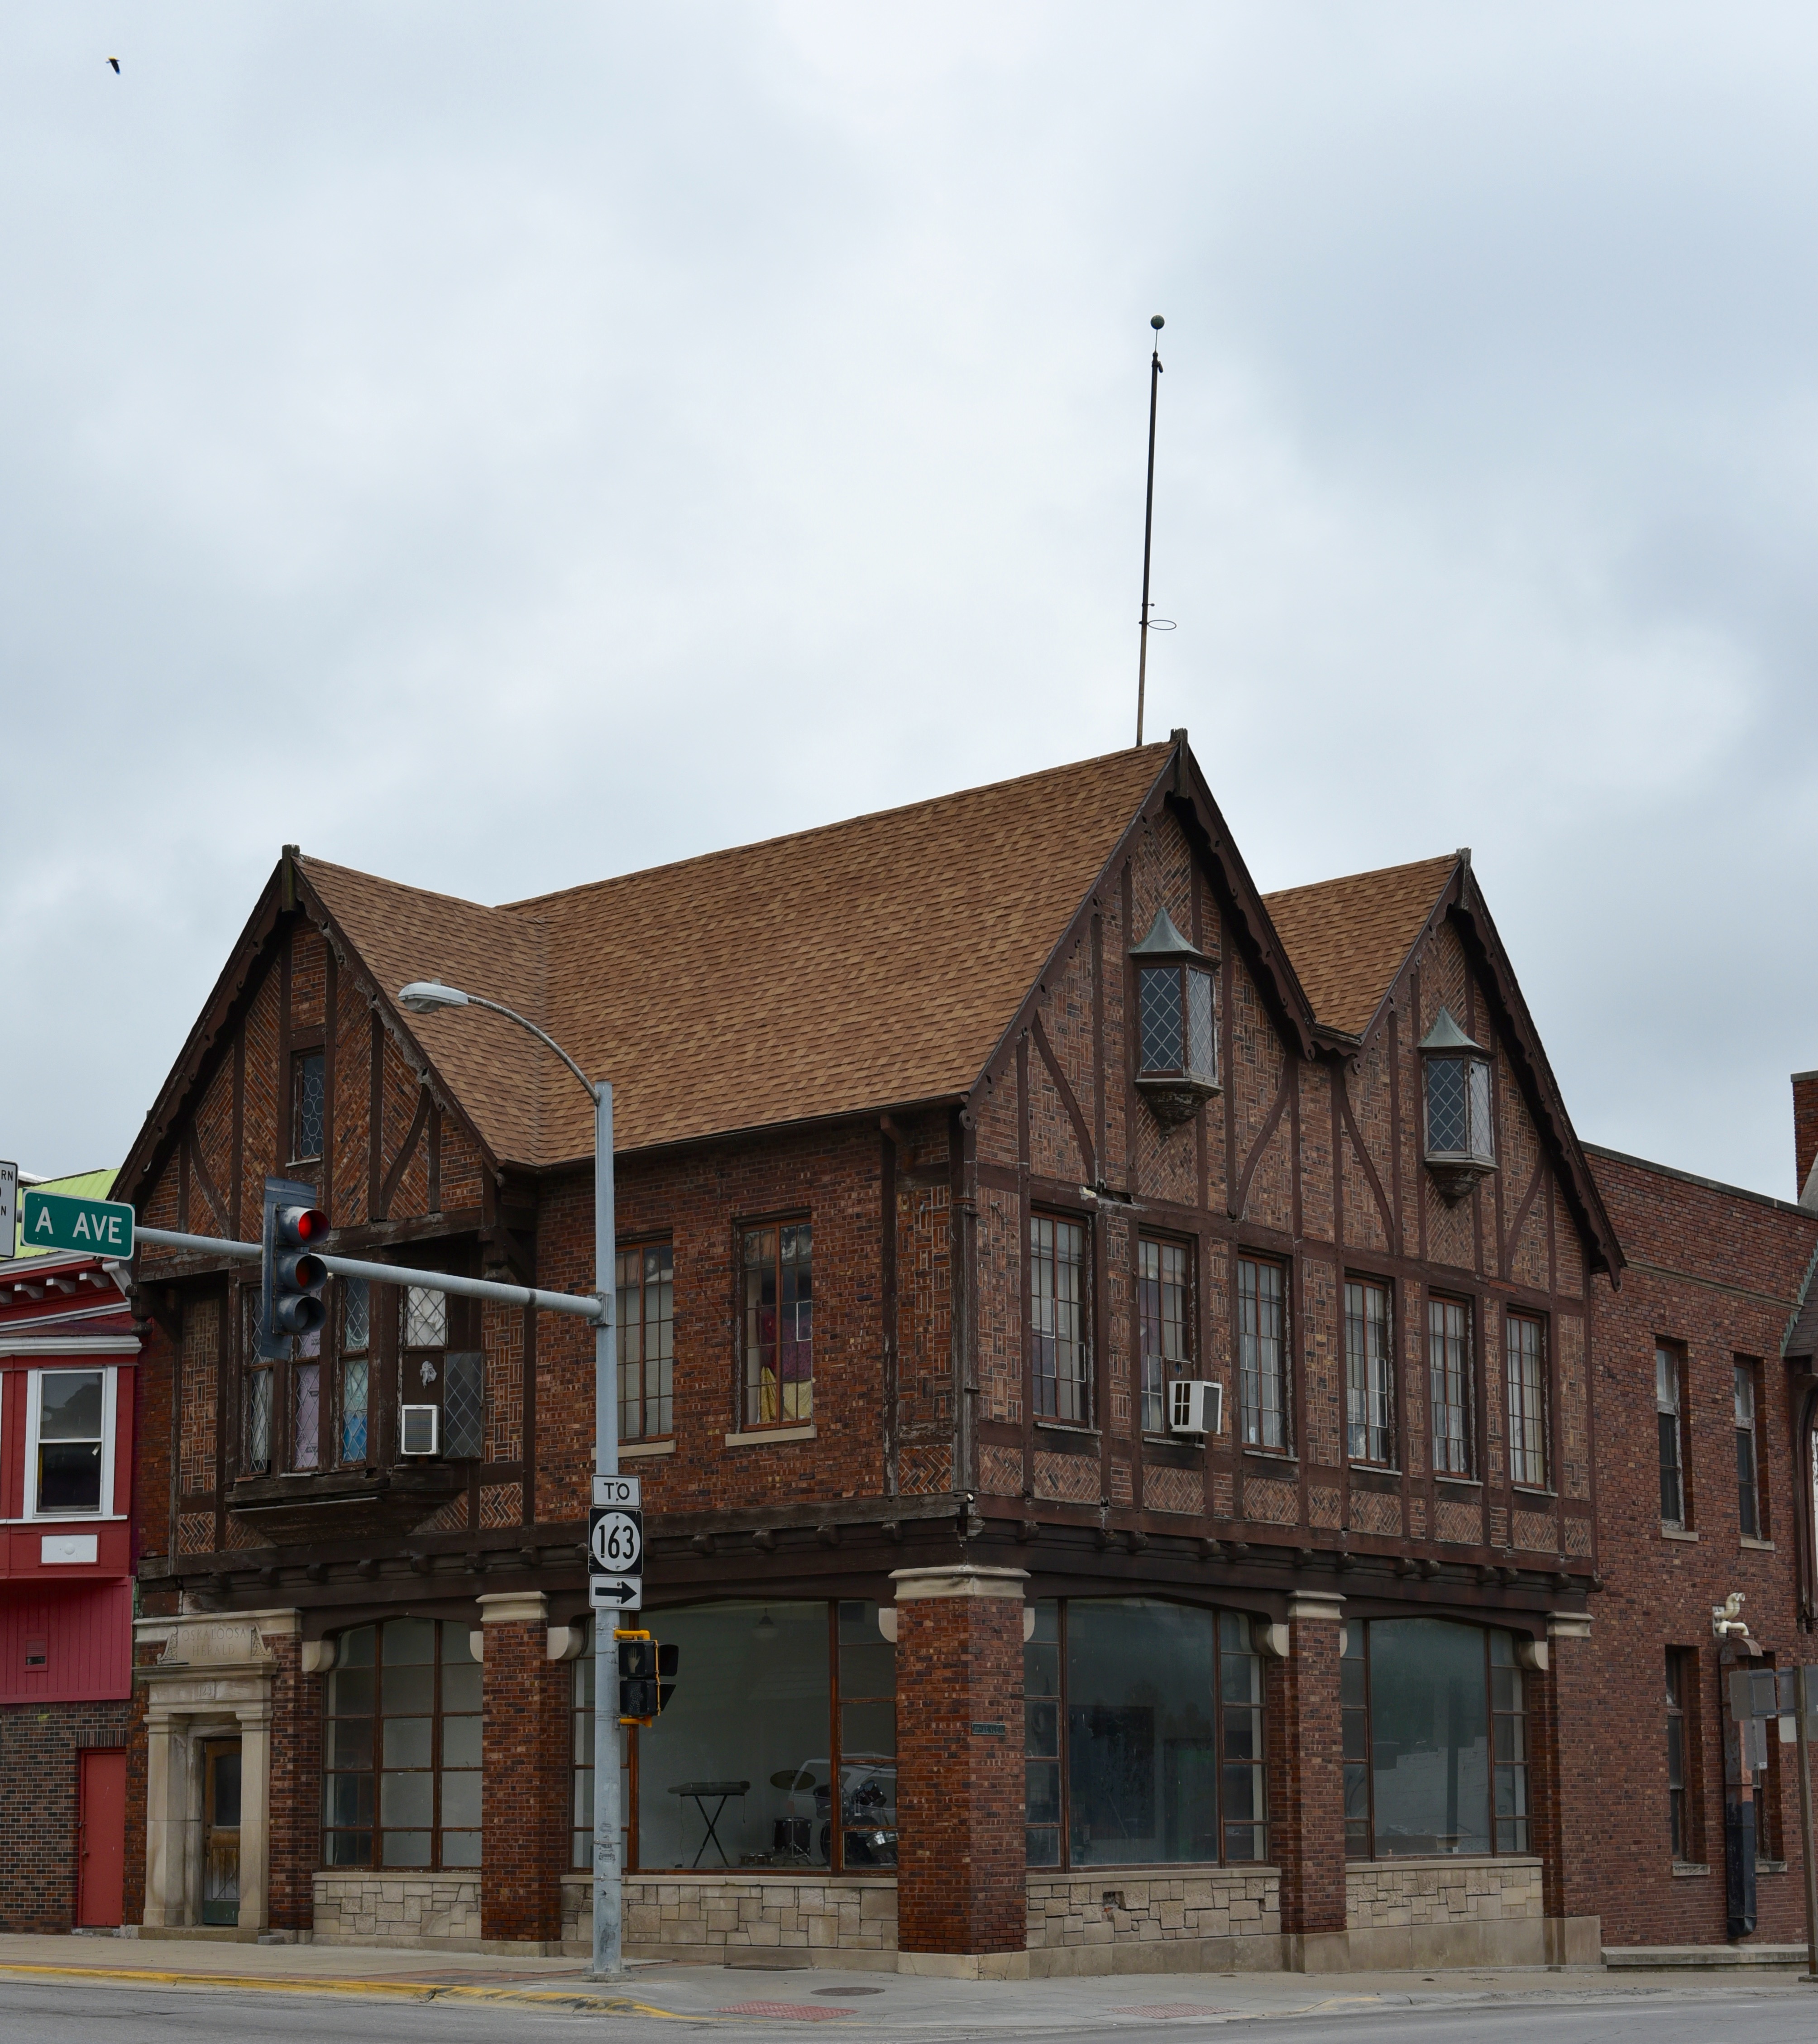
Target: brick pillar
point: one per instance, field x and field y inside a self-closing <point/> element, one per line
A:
<point x="962" y="1890"/>
<point x="295" y="1810"/>
<point x="1306" y="1782"/>
<point x="524" y="1780"/>
<point x="1563" y="1709"/>
<point x="1805" y="1128"/>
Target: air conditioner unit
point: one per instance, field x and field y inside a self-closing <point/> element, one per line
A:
<point x="422" y="1431"/>
<point x="1195" y="1407"/>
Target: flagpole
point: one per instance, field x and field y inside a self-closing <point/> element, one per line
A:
<point x="1148" y="525"/>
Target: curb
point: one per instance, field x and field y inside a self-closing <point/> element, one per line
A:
<point x="591" y="2004"/>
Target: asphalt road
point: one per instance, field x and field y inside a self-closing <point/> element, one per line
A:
<point x="80" y="2014"/>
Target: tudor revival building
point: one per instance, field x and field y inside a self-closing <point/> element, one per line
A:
<point x="951" y="1141"/>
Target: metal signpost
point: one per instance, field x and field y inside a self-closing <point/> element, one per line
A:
<point x="54" y="1220"/>
<point x="9" y="1210"/>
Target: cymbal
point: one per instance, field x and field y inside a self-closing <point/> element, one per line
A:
<point x="796" y="1778"/>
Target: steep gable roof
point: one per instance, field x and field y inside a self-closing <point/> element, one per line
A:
<point x="855" y="967"/>
<point x="1349" y="938"/>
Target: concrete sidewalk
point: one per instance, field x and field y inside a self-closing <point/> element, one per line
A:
<point x="893" y="2002"/>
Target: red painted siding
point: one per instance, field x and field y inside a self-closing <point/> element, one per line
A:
<point x="85" y="1633"/>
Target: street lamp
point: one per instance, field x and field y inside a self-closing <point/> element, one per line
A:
<point x="429" y="996"/>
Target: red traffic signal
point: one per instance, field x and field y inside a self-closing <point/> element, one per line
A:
<point x="291" y="1302"/>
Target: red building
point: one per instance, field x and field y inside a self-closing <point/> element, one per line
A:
<point x="69" y="1391"/>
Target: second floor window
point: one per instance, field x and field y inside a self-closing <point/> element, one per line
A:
<point x="356" y="1366"/>
<point x="1748" y="1466"/>
<point x="1671" y="1437"/>
<point x="647" y="1344"/>
<point x="777" y="1273"/>
<point x="308" y="1098"/>
<point x="1448" y="1360"/>
<point x="68" y="1413"/>
<point x="1262" y="1355"/>
<point x="1527" y="1402"/>
<point x="1164" y="1314"/>
<point x="1370" y="1397"/>
<point x="1057" y="1318"/>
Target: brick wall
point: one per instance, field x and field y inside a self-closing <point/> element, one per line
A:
<point x="296" y="1792"/>
<point x="525" y="1758"/>
<point x="1306" y="1778"/>
<point x="959" y="1779"/>
<point x="39" y="1775"/>
<point x="1804" y="1127"/>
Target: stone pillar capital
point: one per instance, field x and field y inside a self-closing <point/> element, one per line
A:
<point x="515" y="1608"/>
<point x="958" y="1579"/>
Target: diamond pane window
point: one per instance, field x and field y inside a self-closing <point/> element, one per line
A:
<point x="1176" y="1024"/>
<point x="464" y="1405"/>
<point x="356" y="1339"/>
<point x="1160" y="1012"/>
<point x="306" y="1415"/>
<point x="425" y="1318"/>
<point x="258" y="1422"/>
<point x="1461" y="1136"/>
<point x="308" y="1095"/>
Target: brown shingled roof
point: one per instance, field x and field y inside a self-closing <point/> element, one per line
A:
<point x="1349" y="938"/>
<point x="852" y="968"/>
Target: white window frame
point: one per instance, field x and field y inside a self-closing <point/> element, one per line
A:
<point x="34" y="1387"/>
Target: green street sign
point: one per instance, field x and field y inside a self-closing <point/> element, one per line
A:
<point x="53" y="1220"/>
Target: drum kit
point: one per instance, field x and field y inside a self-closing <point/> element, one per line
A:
<point x="867" y="1817"/>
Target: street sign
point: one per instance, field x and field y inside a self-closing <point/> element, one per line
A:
<point x="54" y="1220"/>
<point x="616" y="1592"/>
<point x="615" y="1542"/>
<point x="625" y="1492"/>
<point x="8" y="1209"/>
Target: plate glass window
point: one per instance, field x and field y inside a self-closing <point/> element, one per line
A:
<point x="1527" y="1402"/>
<point x="1261" y="1351"/>
<point x="70" y="1415"/>
<point x="1676" y="1809"/>
<point x="778" y="1274"/>
<point x="1370" y="1397"/>
<point x="1057" y="1317"/>
<point x="308" y="1099"/>
<point x="646" y="1342"/>
<point x="1448" y="1360"/>
<point x="1163" y="1305"/>
<point x="1748" y="1470"/>
<point x="1671" y="1439"/>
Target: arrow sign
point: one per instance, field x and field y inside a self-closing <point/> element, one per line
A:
<point x="616" y="1592"/>
<point x="615" y="1542"/>
<point x="54" y="1220"/>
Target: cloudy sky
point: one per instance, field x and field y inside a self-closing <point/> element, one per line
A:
<point x="501" y="446"/>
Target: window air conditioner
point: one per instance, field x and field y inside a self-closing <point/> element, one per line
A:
<point x="422" y="1430"/>
<point x="1195" y="1407"/>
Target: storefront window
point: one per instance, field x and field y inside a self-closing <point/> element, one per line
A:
<point x="750" y="1766"/>
<point x="581" y="1837"/>
<point x="1139" y="1717"/>
<point x="1436" y="1740"/>
<point x="401" y="1764"/>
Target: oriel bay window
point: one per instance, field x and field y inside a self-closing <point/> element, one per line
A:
<point x="1177" y="1065"/>
<point x="1369" y="1388"/>
<point x="1461" y="1143"/>
<point x="776" y="1273"/>
<point x="1262" y="1353"/>
<point x="778" y="1748"/>
<point x="647" y="1345"/>
<point x="1058" y="1347"/>
<point x="1143" y="1737"/>
<point x="1164" y="1318"/>
<point x="1436" y="1740"/>
<point x="401" y="1760"/>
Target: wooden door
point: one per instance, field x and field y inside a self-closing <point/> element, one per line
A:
<point x="100" y="1838"/>
<point x="221" y="1831"/>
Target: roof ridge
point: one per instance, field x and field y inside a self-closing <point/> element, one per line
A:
<point x="822" y="830"/>
<point x="1445" y="858"/>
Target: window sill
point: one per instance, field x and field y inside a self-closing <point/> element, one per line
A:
<point x="1758" y="1547"/>
<point x="642" y="1450"/>
<point x="1685" y="1869"/>
<point x="1536" y="1490"/>
<point x="764" y="1437"/>
<point x="1072" y="1430"/>
<point x="1372" y="1468"/>
<point x="1286" y="1457"/>
<point x="1677" y="1533"/>
<point x="1770" y="1866"/>
<point x="1458" y="1482"/>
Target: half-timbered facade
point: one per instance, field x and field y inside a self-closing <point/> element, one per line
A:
<point x="950" y="1143"/>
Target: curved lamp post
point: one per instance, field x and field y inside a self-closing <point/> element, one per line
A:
<point x="429" y="996"/>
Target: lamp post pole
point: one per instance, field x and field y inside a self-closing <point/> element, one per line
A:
<point x="431" y="997"/>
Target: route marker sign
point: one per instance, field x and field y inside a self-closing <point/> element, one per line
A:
<point x="615" y="1544"/>
<point x="54" y="1220"/>
<point x="616" y="1592"/>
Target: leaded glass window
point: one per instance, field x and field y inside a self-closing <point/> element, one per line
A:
<point x="1057" y="1318"/>
<point x="1457" y="1109"/>
<point x="355" y="1365"/>
<point x="778" y="1274"/>
<point x="1178" y="1027"/>
<point x="1164" y="1319"/>
<point x="425" y="1318"/>
<point x="308" y="1099"/>
<point x="305" y="1414"/>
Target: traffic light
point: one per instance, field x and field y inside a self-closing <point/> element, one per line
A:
<point x="642" y="1664"/>
<point x="293" y="1276"/>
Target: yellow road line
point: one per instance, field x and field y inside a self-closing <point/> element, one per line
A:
<point x="403" y="1990"/>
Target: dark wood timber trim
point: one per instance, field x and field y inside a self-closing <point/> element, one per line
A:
<point x="1088" y="1156"/>
<point x="1341" y="1088"/>
<point x="198" y="1175"/>
<point x="887" y="1289"/>
<point x="406" y="1152"/>
<point x="375" y="1119"/>
<point x="1264" y="1136"/>
<point x="331" y="1013"/>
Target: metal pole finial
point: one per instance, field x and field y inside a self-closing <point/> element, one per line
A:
<point x="1148" y="526"/>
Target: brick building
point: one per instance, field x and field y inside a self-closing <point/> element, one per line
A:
<point x="955" y="1145"/>
<point x="70" y="1401"/>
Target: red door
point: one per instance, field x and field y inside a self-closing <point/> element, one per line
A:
<point x="101" y="1839"/>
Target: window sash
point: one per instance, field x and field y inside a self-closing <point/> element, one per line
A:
<point x="69" y="1459"/>
<point x="1458" y="1119"/>
<point x="646" y="1278"/>
<point x="1164" y="1323"/>
<point x="1262" y="1353"/>
<point x="1057" y="1319"/>
<point x="776" y="1274"/>
<point x="1667" y="1427"/>
<point x="1676" y="1805"/>
<point x="1748" y="1470"/>
<point x="1449" y="1369"/>
<point x="308" y="1099"/>
<point x="1369" y="1399"/>
<point x="1527" y="1403"/>
<point x="1178" y="1023"/>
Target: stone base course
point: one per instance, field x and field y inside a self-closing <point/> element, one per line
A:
<point x="366" y="1907"/>
<point x="708" y="1918"/>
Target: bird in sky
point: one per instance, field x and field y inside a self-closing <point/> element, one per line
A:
<point x="115" y="62"/>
